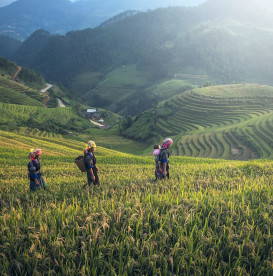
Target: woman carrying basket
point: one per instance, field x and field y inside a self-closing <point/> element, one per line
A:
<point x="90" y="164"/>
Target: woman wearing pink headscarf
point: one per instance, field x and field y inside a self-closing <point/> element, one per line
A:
<point x="34" y="170"/>
<point x="164" y="157"/>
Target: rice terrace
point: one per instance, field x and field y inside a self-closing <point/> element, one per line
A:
<point x="212" y="217"/>
<point x="136" y="137"/>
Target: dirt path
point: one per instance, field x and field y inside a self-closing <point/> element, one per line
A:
<point x="96" y="123"/>
<point x="60" y="103"/>
<point x="19" y="69"/>
<point x="48" y="86"/>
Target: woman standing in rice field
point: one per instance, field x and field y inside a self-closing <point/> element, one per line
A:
<point x="164" y="158"/>
<point x="34" y="170"/>
<point x="90" y="162"/>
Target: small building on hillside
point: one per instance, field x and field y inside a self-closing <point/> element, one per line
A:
<point x="91" y="110"/>
<point x="93" y="113"/>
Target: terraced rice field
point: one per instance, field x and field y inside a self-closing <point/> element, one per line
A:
<point x="248" y="140"/>
<point x="16" y="93"/>
<point x="213" y="217"/>
<point x="49" y="119"/>
<point x="232" y="122"/>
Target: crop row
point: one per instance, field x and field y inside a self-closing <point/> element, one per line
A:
<point x="13" y="85"/>
<point x="246" y="141"/>
<point x="191" y="111"/>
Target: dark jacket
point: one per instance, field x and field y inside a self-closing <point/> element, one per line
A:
<point x="34" y="167"/>
<point x="89" y="160"/>
<point x="164" y="156"/>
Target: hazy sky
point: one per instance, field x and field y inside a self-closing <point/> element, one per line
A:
<point x="5" y="2"/>
<point x="168" y="2"/>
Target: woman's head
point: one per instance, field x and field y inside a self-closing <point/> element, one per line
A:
<point x="157" y="146"/>
<point x="35" y="154"/>
<point x="91" y="146"/>
<point x="167" y="143"/>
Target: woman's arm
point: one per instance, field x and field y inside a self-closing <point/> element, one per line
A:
<point x="33" y="173"/>
<point x="92" y="175"/>
<point x="164" y="167"/>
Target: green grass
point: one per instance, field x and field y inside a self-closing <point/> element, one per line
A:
<point x="213" y="217"/>
<point x="232" y="122"/>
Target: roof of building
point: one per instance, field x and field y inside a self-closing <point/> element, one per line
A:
<point x="91" y="110"/>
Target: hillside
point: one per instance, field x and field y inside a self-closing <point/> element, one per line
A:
<point x="8" y="46"/>
<point x="232" y="122"/>
<point x="58" y="120"/>
<point x="23" y="105"/>
<point x="125" y="90"/>
<point x="19" y="85"/>
<point x="25" y="109"/>
<point x="112" y="64"/>
<point x="15" y="93"/>
<point x="23" y="76"/>
<point x="212" y="216"/>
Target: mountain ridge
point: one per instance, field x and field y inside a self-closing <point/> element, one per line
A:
<point x="23" y="17"/>
<point x="188" y="44"/>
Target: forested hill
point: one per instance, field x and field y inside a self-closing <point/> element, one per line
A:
<point x="8" y="46"/>
<point x="23" y="17"/>
<point x="214" y="42"/>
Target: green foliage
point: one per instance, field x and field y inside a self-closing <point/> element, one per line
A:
<point x="8" y="46"/>
<point x="7" y="67"/>
<point x="84" y="82"/>
<point x="211" y="217"/>
<point x="31" y="78"/>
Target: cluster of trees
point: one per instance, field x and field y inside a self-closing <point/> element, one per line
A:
<point x="8" y="46"/>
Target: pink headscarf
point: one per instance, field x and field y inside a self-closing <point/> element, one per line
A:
<point x="167" y="143"/>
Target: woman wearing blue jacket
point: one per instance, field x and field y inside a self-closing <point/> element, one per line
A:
<point x="90" y="164"/>
<point x="34" y="170"/>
